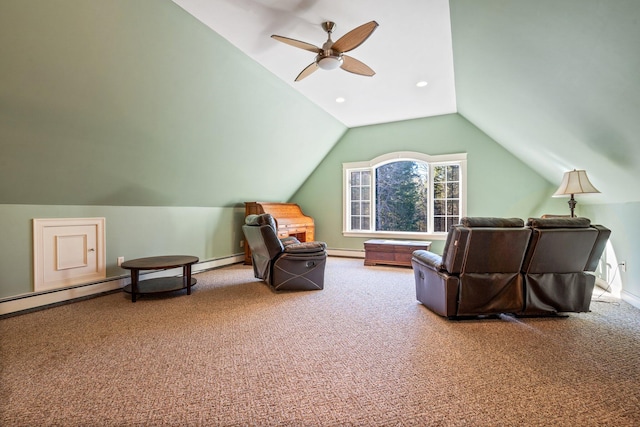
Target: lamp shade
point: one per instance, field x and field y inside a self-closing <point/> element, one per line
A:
<point x="575" y="182"/>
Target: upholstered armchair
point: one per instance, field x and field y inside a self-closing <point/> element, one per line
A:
<point x="479" y="270"/>
<point x="283" y="264"/>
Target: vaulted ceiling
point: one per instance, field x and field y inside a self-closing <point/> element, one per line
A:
<point x="555" y="82"/>
<point x="411" y="44"/>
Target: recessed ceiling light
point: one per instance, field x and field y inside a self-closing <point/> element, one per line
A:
<point x="421" y="83"/>
<point x="340" y="100"/>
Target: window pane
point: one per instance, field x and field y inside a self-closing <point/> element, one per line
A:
<point x="451" y="221"/>
<point x="452" y="190"/>
<point x="452" y="207"/>
<point x="355" y="193"/>
<point x="366" y="223"/>
<point x="355" y="223"/>
<point x="366" y="178"/>
<point x="366" y="208"/>
<point x="446" y="194"/>
<point x="359" y="192"/>
<point x="401" y="196"/>
<point x="355" y="178"/>
<point x="366" y="193"/>
<point x="453" y="173"/>
<point x="355" y="208"/>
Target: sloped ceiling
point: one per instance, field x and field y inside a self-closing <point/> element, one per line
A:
<point x="411" y="44"/>
<point x="136" y="103"/>
<point x="556" y="82"/>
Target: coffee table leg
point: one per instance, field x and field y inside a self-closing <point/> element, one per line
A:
<point x="186" y="274"/>
<point x="134" y="284"/>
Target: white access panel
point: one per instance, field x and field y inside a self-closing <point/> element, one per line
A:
<point x="67" y="252"/>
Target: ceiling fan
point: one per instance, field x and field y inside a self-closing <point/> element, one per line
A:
<point x="331" y="55"/>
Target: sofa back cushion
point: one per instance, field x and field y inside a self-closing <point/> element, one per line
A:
<point x="486" y="245"/>
<point x="560" y="245"/>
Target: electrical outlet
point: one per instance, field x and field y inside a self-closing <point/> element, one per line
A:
<point x="623" y="266"/>
<point x="242" y="243"/>
<point x="120" y="260"/>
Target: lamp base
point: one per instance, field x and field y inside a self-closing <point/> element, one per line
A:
<point x="572" y="206"/>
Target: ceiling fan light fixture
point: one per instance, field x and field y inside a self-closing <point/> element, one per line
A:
<point x="330" y="55"/>
<point x="329" y="62"/>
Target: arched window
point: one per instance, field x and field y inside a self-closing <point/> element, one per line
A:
<point x="404" y="193"/>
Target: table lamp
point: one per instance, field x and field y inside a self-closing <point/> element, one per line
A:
<point x="574" y="182"/>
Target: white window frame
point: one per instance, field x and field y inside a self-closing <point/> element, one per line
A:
<point x="438" y="160"/>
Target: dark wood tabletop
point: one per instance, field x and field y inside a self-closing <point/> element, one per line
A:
<point x="161" y="284"/>
<point x="158" y="262"/>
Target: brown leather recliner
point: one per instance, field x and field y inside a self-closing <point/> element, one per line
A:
<point x="557" y="268"/>
<point x="494" y="265"/>
<point x="284" y="264"/>
<point x="479" y="270"/>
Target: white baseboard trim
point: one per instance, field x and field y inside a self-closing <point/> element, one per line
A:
<point x="36" y="300"/>
<point x="32" y="301"/>
<point x="630" y="298"/>
<point x="347" y="253"/>
<point x="216" y="263"/>
<point x="41" y="299"/>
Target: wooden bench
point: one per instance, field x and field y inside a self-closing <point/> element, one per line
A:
<point x="392" y="252"/>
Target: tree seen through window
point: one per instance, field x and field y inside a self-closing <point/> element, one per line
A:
<point x="401" y="196"/>
<point x="404" y="192"/>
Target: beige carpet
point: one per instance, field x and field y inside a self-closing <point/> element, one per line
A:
<point x="361" y="352"/>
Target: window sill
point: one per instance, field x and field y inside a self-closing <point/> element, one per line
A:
<point x="395" y="235"/>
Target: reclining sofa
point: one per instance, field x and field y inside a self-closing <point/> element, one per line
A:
<point x="284" y="264"/>
<point x="500" y="265"/>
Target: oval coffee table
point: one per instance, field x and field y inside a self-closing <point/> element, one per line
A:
<point x="161" y="284"/>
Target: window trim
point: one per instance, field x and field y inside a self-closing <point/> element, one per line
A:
<point x="431" y="160"/>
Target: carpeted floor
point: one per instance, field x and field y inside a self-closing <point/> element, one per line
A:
<point x="361" y="352"/>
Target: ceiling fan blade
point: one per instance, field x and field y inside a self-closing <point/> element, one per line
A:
<point x="304" y="73"/>
<point x="297" y="43"/>
<point x="354" y="66"/>
<point x="355" y="37"/>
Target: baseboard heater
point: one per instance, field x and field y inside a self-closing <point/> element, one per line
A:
<point x="43" y="299"/>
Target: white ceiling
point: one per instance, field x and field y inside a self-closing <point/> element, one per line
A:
<point x="411" y="44"/>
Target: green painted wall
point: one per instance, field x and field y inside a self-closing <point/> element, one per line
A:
<point x="131" y="232"/>
<point x="136" y="111"/>
<point x="625" y="240"/>
<point x="556" y="83"/>
<point x="498" y="184"/>
<point x="137" y="103"/>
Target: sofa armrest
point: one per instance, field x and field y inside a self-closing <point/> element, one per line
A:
<point x="429" y="259"/>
